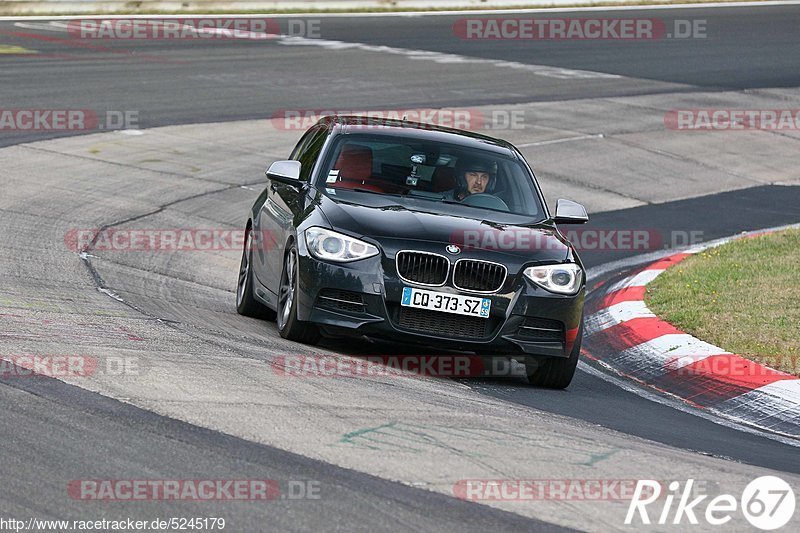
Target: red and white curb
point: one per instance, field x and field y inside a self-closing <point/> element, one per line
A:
<point x="623" y="334"/>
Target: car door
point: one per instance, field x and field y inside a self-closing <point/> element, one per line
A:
<point x="282" y="206"/>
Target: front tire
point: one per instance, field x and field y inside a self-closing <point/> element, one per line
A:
<point x="246" y="304"/>
<point x="555" y="372"/>
<point x="289" y="326"/>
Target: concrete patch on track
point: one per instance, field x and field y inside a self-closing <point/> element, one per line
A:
<point x="622" y="333"/>
<point x="210" y="367"/>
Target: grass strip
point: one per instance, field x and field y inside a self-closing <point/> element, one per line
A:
<point x="743" y="296"/>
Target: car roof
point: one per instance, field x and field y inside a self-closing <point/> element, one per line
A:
<point x="346" y="124"/>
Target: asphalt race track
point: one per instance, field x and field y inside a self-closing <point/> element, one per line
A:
<point x="386" y="453"/>
<point x="179" y="82"/>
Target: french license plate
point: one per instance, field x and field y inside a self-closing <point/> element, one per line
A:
<point x="448" y="303"/>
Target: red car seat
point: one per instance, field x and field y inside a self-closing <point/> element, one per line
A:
<point x="355" y="168"/>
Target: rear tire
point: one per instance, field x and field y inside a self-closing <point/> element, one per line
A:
<point x="555" y="372"/>
<point x="289" y="326"/>
<point x="246" y="304"/>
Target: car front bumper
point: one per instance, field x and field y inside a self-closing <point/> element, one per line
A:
<point x="363" y="298"/>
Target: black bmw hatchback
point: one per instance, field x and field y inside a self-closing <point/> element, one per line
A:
<point x="417" y="234"/>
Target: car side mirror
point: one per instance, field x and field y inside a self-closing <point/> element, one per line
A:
<point x="285" y="171"/>
<point x="569" y="212"/>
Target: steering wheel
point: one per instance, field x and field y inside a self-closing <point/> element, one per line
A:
<point x="486" y="200"/>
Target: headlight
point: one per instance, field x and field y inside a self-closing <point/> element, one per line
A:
<point x="332" y="246"/>
<point x="562" y="279"/>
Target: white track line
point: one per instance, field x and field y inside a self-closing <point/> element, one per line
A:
<point x="565" y="139"/>
<point x="444" y="58"/>
<point x="410" y="53"/>
<point x="709" y="5"/>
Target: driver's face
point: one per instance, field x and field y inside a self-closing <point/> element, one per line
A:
<point x="476" y="181"/>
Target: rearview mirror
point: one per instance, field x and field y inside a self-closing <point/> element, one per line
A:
<point x="431" y="159"/>
<point x="284" y="171"/>
<point x="569" y="212"/>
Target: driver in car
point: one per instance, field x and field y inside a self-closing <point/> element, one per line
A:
<point x="472" y="177"/>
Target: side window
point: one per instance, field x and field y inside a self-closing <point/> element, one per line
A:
<point x="309" y="152"/>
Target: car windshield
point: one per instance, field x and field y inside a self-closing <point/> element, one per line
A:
<point x="432" y="176"/>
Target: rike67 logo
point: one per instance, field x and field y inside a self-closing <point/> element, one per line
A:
<point x="767" y="502"/>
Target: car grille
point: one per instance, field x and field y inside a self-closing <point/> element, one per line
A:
<point x="340" y="300"/>
<point x="480" y="276"/>
<point x="422" y="267"/>
<point x="541" y="329"/>
<point x="444" y="324"/>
